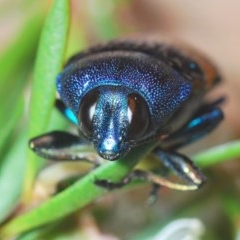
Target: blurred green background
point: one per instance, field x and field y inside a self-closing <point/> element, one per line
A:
<point x="122" y="214"/>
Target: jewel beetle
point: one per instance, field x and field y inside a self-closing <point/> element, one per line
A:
<point x="125" y="93"/>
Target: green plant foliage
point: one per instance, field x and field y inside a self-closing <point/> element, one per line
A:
<point x="11" y="181"/>
<point x="16" y="60"/>
<point x="78" y="195"/>
<point x="19" y="166"/>
<point x="218" y="154"/>
<point x="48" y="64"/>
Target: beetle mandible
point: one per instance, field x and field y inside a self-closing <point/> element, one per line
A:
<point x="125" y="93"/>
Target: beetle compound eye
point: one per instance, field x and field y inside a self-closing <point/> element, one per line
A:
<point x="138" y="116"/>
<point x="86" y="111"/>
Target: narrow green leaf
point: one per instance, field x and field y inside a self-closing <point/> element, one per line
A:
<point x="230" y="203"/>
<point x="15" y="62"/>
<point x="17" y="56"/>
<point x="11" y="176"/>
<point x="48" y="64"/>
<point x="78" y="195"/>
<point x="218" y="154"/>
<point x="10" y="125"/>
<point x="66" y="229"/>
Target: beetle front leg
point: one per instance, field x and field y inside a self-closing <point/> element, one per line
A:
<point x="135" y="174"/>
<point x="61" y="146"/>
<point x="179" y="164"/>
<point x="182" y="166"/>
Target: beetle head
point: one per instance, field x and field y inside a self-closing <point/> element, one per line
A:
<point x="113" y="118"/>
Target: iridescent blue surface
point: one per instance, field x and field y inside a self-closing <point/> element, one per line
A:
<point x="125" y="93"/>
<point x="70" y="115"/>
<point x="163" y="88"/>
<point x="111" y="123"/>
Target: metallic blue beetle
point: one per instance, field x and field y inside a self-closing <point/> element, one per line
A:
<point x="125" y="93"/>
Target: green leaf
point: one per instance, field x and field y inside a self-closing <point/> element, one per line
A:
<point x="58" y="230"/>
<point x="9" y="125"/>
<point x="15" y="63"/>
<point x="218" y="154"/>
<point x="85" y="191"/>
<point x="48" y="64"/>
<point x="20" y="53"/>
<point x="11" y="176"/>
<point x="232" y="208"/>
<point x="78" y="195"/>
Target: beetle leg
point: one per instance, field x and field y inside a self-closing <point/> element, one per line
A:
<point x="154" y="194"/>
<point x="109" y="185"/>
<point x="147" y="176"/>
<point x="206" y="119"/>
<point x="182" y="166"/>
<point x="66" y="111"/>
<point x="62" y="146"/>
<point x="179" y="164"/>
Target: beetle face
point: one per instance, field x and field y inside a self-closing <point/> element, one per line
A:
<point x="113" y="117"/>
<point x="124" y="95"/>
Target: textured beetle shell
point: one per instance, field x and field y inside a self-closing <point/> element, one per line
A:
<point x="159" y="72"/>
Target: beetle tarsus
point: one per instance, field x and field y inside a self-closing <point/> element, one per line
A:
<point x="153" y="195"/>
<point x="182" y="166"/>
